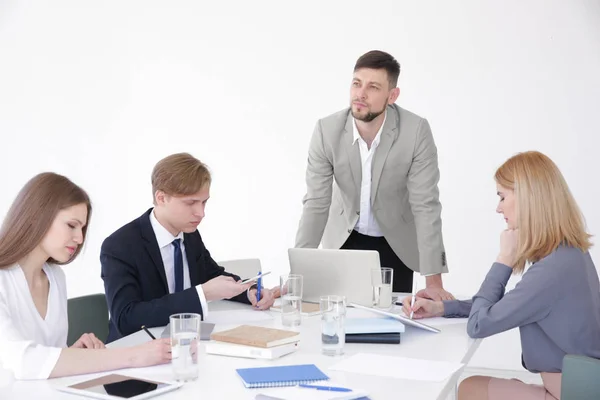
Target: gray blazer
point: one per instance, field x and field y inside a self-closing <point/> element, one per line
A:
<point x="404" y="191"/>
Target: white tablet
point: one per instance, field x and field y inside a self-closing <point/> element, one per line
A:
<point x="116" y="386"/>
<point x="401" y="318"/>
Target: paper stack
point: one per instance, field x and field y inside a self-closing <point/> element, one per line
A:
<point x="250" y="341"/>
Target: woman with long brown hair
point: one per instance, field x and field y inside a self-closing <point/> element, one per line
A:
<point x="45" y="228"/>
<point x="556" y="305"/>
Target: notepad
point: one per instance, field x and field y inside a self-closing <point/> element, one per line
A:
<point x="258" y="336"/>
<point x="285" y="375"/>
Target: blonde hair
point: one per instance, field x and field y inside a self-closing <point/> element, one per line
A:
<point x="547" y="214"/>
<point x="180" y="174"/>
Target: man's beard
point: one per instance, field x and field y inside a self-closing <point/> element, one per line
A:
<point x="369" y="117"/>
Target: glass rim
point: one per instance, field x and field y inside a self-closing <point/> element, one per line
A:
<point x="334" y="297"/>
<point x="185" y="316"/>
<point x="290" y="276"/>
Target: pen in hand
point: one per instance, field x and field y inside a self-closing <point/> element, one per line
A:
<point x="412" y="302"/>
<point x="258" y="285"/>
<point x="148" y="332"/>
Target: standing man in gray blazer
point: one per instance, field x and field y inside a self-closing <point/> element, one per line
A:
<point x="372" y="181"/>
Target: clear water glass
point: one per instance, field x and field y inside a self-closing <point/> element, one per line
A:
<point x="381" y="281"/>
<point x="333" y="331"/>
<point x="185" y="334"/>
<point x="291" y="299"/>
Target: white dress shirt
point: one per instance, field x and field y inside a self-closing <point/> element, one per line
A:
<point x="367" y="225"/>
<point x="167" y="249"/>
<point x="29" y="344"/>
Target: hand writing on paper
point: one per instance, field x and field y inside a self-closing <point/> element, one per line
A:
<point x="266" y="299"/>
<point x="150" y="353"/>
<point x="423" y="308"/>
<point x="88" y="341"/>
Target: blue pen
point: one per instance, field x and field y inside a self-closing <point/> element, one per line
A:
<point x="259" y="284"/>
<point x="330" y="388"/>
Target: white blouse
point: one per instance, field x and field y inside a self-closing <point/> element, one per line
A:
<point x="29" y="345"/>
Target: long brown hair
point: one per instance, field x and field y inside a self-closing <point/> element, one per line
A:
<point x="547" y="213"/>
<point x="32" y="213"/>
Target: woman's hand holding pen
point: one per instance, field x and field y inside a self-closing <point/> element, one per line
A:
<point x="422" y="308"/>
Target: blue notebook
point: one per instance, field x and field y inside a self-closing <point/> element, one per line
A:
<point x="285" y="375"/>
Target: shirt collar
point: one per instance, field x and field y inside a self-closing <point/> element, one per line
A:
<point x="356" y="135"/>
<point x="163" y="236"/>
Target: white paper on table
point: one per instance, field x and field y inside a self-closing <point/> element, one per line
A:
<point x="397" y="367"/>
<point x="237" y="316"/>
<point x="297" y="393"/>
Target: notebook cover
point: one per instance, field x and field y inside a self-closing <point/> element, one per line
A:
<point x="258" y="336"/>
<point x="384" y="338"/>
<point x="285" y="375"/>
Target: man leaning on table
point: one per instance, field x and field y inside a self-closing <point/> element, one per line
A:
<point x="157" y="264"/>
<point x="379" y="163"/>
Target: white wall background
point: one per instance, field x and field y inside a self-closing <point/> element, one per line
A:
<point x="100" y="91"/>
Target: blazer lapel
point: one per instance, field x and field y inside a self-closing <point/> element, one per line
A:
<point x="353" y="152"/>
<point x="152" y="247"/>
<point x="191" y="256"/>
<point x="388" y="137"/>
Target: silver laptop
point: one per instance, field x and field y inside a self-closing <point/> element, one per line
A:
<point x="340" y="272"/>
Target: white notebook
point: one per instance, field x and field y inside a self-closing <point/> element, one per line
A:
<point x="239" y="350"/>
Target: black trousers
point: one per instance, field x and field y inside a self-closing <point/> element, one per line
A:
<point x="403" y="276"/>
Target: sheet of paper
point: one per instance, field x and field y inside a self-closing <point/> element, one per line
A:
<point x="237" y="317"/>
<point x="397" y="367"/>
<point x="297" y="393"/>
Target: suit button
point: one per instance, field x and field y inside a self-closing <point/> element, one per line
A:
<point x="358" y="213"/>
<point x="349" y="230"/>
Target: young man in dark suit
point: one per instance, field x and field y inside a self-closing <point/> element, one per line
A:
<point x="157" y="265"/>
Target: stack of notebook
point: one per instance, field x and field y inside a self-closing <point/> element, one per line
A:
<point x="250" y="341"/>
<point x="373" y="330"/>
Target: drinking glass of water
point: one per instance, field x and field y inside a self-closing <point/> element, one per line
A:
<point x="185" y="334"/>
<point x="291" y="299"/>
<point x="333" y="331"/>
<point x="381" y="280"/>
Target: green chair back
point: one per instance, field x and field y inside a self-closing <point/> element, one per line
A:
<point x="580" y="378"/>
<point x="87" y="314"/>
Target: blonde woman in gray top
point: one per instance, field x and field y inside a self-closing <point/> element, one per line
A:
<point x="556" y="305"/>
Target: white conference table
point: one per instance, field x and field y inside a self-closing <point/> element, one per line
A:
<point x="218" y="378"/>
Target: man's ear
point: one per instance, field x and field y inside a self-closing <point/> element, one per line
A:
<point x="394" y="95"/>
<point x="160" y="197"/>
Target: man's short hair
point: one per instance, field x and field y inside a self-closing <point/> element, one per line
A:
<point x="180" y="174"/>
<point x="376" y="59"/>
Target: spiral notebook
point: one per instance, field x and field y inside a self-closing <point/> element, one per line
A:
<point x="285" y="375"/>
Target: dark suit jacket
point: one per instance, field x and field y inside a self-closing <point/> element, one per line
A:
<point x="135" y="282"/>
